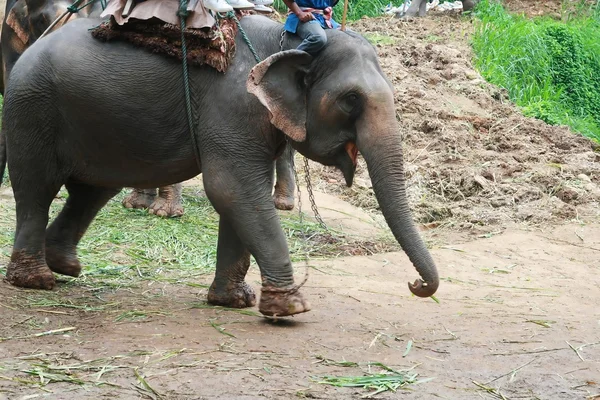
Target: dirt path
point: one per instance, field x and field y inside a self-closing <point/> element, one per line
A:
<point x="516" y="299"/>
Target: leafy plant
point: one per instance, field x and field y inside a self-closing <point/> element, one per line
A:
<point x="551" y="68"/>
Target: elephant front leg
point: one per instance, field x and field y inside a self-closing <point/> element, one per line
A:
<point x="286" y="183"/>
<point x="168" y="203"/>
<point x="245" y="201"/>
<point x="233" y="260"/>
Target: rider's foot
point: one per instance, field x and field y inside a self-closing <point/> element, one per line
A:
<point x="262" y="9"/>
<point x="241" y="4"/>
<point x="220" y="6"/>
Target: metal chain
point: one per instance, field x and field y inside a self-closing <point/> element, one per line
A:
<point x="311" y="196"/>
<point x="297" y="187"/>
<point x="281" y="40"/>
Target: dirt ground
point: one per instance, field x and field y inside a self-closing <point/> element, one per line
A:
<point x="507" y="204"/>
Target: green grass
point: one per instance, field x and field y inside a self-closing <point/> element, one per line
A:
<point x="551" y="68"/>
<point x="123" y="247"/>
<point x="388" y="380"/>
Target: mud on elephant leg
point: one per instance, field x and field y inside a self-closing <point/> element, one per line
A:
<point x="168" y="202"/>
<point x="64" y="233"/>
<point x="140" y="198"/>
<point x="286" y="183"/>
<point x="233" y="260"/>
<point x="255" y="226"/>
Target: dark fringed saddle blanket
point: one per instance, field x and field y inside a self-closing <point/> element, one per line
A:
<point x="213" y="46"/>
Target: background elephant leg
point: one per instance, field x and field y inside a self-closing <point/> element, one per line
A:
<point x="64" y="233"/>
<point x="423" y="8"/>
<point x="140" y="198"/>
<point x="414" y="8"/>
<point x="468" y="5"/>
<point x="286" y="184"/>
<point x="233" y="260"/>
<point x="27" y="267"/>
<point x="168" y="202"/>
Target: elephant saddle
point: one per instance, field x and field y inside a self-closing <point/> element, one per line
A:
<point x="213" y="46"/>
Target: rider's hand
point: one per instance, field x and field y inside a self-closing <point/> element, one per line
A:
<point x="305" y="16"/>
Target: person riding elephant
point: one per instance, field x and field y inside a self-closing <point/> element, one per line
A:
<point x="327" y="107"/>
<point x="308" y="19"/>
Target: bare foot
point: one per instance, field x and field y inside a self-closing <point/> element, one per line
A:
<point x="140" y="198"/>
<point x="236" y="296"/>
<point x="276" y="302"/>
<point x="29" y="272"/>
<point x="62" y="262"/>
<point x="166" y="207"/>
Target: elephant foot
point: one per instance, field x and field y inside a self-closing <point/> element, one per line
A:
<point x="283" y="202"/>
<point x="62" y="262"/>
<point x="30" y="272"/>
<point x="140" y="199"/>
<point x="406" y="17"/>
<point x="238" y="295"/>
<point x="166" y="207"/>
<point x="279" y="302"/>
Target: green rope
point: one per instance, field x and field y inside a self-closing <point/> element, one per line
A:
<point x="244" y="36"/>
<point x="183" y="14"/>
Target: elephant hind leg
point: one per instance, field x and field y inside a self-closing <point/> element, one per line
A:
<point x="233" y="260"/>
<point x="33" y="196"/>
<point x="64" y="233"/>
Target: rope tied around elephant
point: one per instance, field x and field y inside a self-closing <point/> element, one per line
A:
<point x="71" y="9"/>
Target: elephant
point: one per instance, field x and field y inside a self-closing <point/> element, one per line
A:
<point x="419" y="8"/>
<point x="327" y="107"/>
<point x="30" y="19"/>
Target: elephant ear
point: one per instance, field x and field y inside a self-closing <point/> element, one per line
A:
<point x="278" y="82"/>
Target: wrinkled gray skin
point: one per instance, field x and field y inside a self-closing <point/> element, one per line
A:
<point x="327" y="107"/>
<point x="419" y="8"/>
<point x="36" y="17"/>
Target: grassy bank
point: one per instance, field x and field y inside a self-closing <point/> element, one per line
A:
<point x="550" y="68"/>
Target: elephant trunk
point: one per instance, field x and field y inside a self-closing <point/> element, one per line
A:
<point x="381" y="146"/>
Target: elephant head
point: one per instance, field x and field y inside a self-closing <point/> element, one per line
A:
<point x="335" y="105"/>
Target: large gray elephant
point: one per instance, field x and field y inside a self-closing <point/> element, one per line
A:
<point x="26" y="20"/>
<point x="328" y="107"/>
<point x="419" y="8"/>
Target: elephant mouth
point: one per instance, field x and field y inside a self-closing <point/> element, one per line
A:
<point x="352" y="151"/>
<point x="349" y="161"/>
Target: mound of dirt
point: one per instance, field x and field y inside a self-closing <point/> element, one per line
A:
<point x="472" y="159"/>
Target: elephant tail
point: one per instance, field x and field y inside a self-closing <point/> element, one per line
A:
<point x="2" y="155"/>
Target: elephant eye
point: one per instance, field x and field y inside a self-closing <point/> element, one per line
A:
<point x="349" y="102"/>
